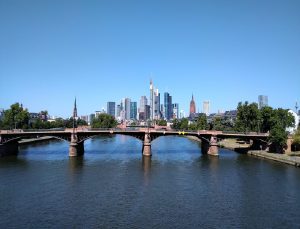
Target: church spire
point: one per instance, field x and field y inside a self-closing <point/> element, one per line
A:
<point x="75" y="110"/>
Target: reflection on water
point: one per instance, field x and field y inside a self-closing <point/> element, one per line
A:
<point x="114" y="186"/>
<point x="76" y="163"/>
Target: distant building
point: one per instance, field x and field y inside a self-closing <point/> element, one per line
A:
<point x="147" y="112"/>
<point x="97" y="113"/>
<point x="154" y="103"/>
<point x="182" y="114"/>
<point x="91" y="118"/>
<point x="151" y="100"/>
<point x="118" y="110"/>
<point x="262" y="101"/>
<point x="157" y="113"/>
<point x="168" y="106"/>
<point x="175" y="110"/>
<point x="84" y="118"/>
<point x="143" y="103"/>
<point x="230" y="115"/>
<point x="111" y="108"/>
<point x="206" y="107"/>
<point x="127" y="108"/>
<point x="133" y="110"/>
<point x="192" y="107"/>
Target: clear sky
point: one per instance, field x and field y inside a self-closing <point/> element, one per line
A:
<point x="99" y="51"/>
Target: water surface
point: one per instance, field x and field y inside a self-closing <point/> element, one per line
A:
<point x="113" y="186"/>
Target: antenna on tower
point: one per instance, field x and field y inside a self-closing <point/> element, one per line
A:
<point x="296" y="106"/>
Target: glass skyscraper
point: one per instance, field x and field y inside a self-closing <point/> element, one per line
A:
<point x="111" y="108"/>
<point x="262" y="101"/>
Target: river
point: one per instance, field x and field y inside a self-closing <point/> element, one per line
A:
<point x="113" y="186"/>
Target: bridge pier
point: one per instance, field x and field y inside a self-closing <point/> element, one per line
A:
<point x="289" y="143"/>
<point x="210" y="147"/>
<point x="9" y="149"/>
<point x="147" y="145"/>
<point x="76" y="148"/>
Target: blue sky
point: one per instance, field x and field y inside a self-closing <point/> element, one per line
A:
<point x="99" y="51"/>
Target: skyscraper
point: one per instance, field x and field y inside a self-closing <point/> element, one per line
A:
<point x="142" y="108"/>
<point x="127" y="108"/>
<point x="143" y="103"/>
<point x="111" y="108"/>
<point x="192" y="108"/>
<point x="151" y="100"/>
<point x="157" y="114"/>
<point x="206" y="107"/>
<point x="175" y="110"/>
<point x="154" y="103"/>
<point x="133" y="110"/>
<point x="147" y="112"/>
<point x="119" y="111"/>
<point x="262" y="101"/>
<point x="168" y="106"/>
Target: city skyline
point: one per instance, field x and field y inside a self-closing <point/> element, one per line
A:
<point x="99" y="52"/>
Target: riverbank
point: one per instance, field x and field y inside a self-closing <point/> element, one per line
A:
<point x="234" y="144"/>
<point x="283" y="158"/>
<point x="231" y="144"/>
<point x="32" y="140"/>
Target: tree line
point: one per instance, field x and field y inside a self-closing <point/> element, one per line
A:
<point x="19" y="118"/>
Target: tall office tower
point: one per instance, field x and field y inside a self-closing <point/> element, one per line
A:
<point x="151" y="100"/>
<point x="157" y="114"/>
<point x="168" y="106"/>
<point x="133" y="110"/>
<point x="162" y="111"/>
<point x="182" y="114"/>
<point x="127" y="108"/>
<point x="175" y="110"/>
<point x="147" y="112"/>
<point x="91" y="118"/>
<point x="143" y="103"/>
<point x="111" y="108"/>
<point x="262" y="101"/>
<point x="119" y="111"/>
<point x="206" y="107"/>
<point x="192" y="107"/>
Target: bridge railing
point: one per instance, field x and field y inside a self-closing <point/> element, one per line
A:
<point x="44" y="130"/>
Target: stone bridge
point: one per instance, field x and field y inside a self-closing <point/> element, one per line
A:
<point x="76" y="137"/>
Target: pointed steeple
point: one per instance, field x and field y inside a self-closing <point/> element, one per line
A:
<point x="75" y="110"/>
<point x="192" y="97"/>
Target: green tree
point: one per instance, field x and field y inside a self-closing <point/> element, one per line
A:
<point x="16" y="117"/>
<point x="201" y="122"/>
<point x="248" y="117"/>
<point x="217" y="124"/>
<point x="280" y="120"/>
<point x="161" y="122"/>
<point x="104" y="121"/>
<point x="184" y="124"/>
<point x="81" y="122"/>
<point x="176" y="124"/>
<point x="266" y="119"/>
<point x="278" y="137"/>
